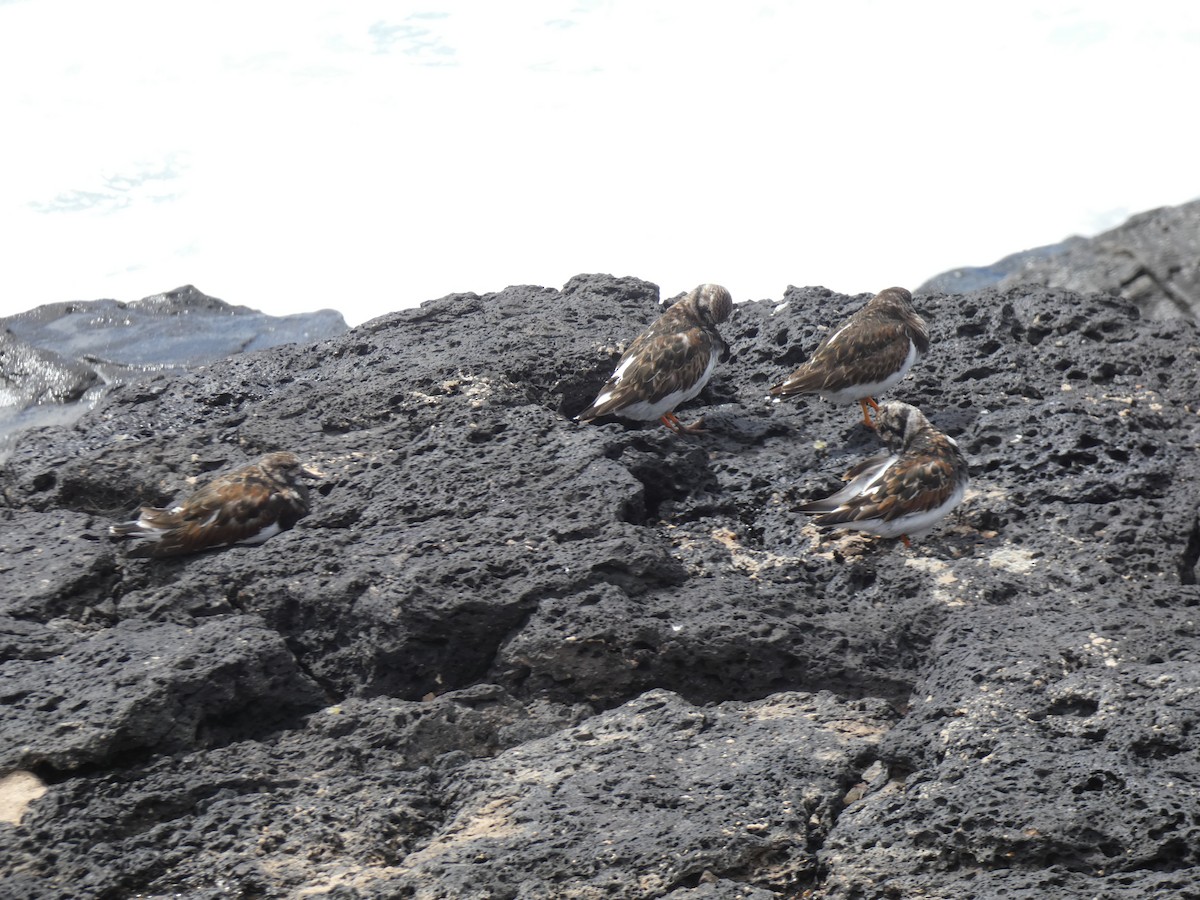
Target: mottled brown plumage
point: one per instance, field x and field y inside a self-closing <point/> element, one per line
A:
<point x="669" y="363"/>
<point x="906" y="489"/>
<point x="866" y="356"/>
<point x="247" y="506"/>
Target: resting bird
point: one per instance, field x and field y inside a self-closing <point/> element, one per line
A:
<point x="669" y="363"/>
<point x="866" y="356"/>
<point x="906" y="489"/>
<point x="246" y="506"/>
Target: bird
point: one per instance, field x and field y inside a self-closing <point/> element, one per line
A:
<point x="248" y="505"/>
<point x="669" y="363"/>
<point x="904" y="490"/>
<point x="868" y="354"/>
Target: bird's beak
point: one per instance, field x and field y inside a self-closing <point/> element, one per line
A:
<point x="315" y="474"/>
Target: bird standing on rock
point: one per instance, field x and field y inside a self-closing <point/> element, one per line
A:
<point x="246" y="506"/>
<point x="906" y="489"/>
<point x="866" y="356"/>
<point x="669" y="363"/>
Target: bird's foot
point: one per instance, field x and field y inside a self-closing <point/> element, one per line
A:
<point x="672" y="421"/>
<point x="868" y="404"/>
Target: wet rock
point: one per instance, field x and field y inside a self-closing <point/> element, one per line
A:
<point x="58" y="360"/>
<point x="32" y="375"/>
<point x="176" y="328"/>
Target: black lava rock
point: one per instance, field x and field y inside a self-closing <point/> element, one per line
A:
<point x="508" y="655"/>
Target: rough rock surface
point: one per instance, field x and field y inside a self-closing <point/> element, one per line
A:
<point x="1152" y="259"/>
<point x="507" y="655"/>
<point x="58" y="360"/>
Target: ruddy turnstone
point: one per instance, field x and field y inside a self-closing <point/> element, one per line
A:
<point x="669" y="363"/>
<point x="868" y="354"/>
<point x="904" y="490"/>
<point x="246" y="506"/>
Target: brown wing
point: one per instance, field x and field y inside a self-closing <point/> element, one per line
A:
<point x="858" y="479"/>
<point x="912" y="484"/>
<point x="868" y="348"/>
<point x="677" y="319"/>
<point x="227" y="511"/>
<point x="155" y="516"/>
<point x="658" y="363"/>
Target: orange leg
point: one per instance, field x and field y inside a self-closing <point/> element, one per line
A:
<point x="868" y="403"/>
<point x="907" y="542"/>
<point x="672" y="421"/>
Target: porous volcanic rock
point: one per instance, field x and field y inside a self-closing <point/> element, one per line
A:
<point x="508" y="655"/>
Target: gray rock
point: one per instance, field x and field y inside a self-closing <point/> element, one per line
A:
<point x="138" y="687"/>
<point x="563" y="660"/>
<point x="39" y="387"/>
<point x="58" y="360"/>
<point x="977" y="278"/>
<point x="653" y="796"/>
<point x="1059" y="760"/>
<point x="176" y="328"/>
<point x="30" y="375"/>
<point x="1152" y="259"/>
<point x="330" y="805"/>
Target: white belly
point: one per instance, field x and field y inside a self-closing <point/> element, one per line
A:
<point x="913" y="524"/>
<point x="646" y="411"/>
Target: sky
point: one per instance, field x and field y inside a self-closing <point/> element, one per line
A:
<point x="367" y="155"/>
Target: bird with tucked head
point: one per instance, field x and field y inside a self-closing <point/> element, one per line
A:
<point x="246" y="506"/>
<point x="669" y="363"/>
<point x="906" y="489"/>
